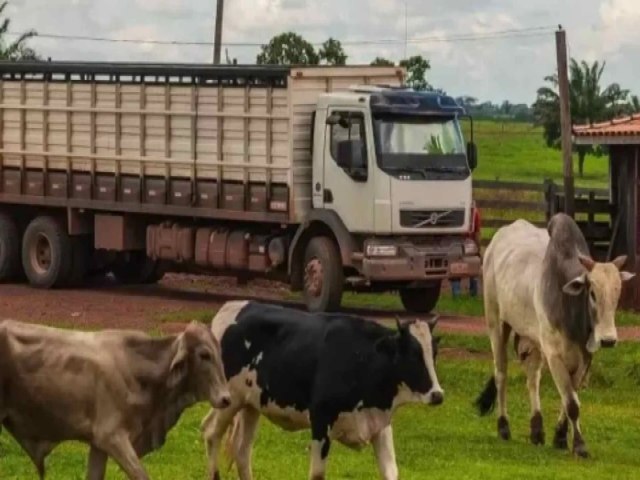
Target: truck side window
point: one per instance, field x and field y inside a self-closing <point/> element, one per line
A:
<point x="349" y="146"/>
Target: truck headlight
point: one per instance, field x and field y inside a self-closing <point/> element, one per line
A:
<point x="470" y="247"/>
<point x="382" y="250"/>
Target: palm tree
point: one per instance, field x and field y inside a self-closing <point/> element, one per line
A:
<point x="589" y="103"/>
<point x="18" y="49"/>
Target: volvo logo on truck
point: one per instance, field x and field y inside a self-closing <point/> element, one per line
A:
<point x="433" y="219"/>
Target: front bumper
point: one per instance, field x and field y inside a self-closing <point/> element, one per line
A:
<point x="414" y="263"/>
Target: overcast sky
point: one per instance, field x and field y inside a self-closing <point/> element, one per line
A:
<point x="490" y="69"/>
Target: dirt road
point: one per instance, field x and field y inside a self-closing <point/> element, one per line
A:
<point x="165" y="307"/>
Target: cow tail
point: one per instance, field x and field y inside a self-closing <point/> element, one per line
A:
<point x="487" y="399"/>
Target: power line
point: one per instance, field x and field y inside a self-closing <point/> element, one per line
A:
<point x="490" y="35"/>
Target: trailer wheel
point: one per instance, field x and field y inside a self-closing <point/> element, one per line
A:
<point x="47" y="255"/>
<point x="136" y="268"/>
<point x="9" y="248"/>
<point x="420" y="300"/>
<point x="323" y="276"/>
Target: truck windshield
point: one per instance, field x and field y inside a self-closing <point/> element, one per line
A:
<point x="420" y="147"/>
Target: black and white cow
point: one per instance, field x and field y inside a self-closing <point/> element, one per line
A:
<point x="340" y="376"/>
<point x="542" y="285"/>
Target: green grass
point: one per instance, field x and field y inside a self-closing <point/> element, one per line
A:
<point x="446" y="442"/>
<point x="517" y="151"/>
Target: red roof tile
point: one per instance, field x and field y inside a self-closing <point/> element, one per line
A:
<point x="626" y="126"/>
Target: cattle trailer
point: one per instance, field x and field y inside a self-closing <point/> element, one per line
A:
<point x="327" y="178"/>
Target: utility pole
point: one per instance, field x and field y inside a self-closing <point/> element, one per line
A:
<point x="217" y="46"/>
<point x="565" y="121"/>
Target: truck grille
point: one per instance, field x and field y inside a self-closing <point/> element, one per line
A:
<point x="431" y="218"/>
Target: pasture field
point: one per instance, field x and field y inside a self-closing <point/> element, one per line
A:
<point x="445" y="442"/>
<point x="517" y="151"/>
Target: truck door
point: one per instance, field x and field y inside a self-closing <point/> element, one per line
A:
<point x="349" y="188"/>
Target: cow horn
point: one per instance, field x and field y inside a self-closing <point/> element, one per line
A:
<point x="587" y="262"/>
<point x="399" y="325"/>
<point x="620" y="261"/>
<point x="433" y="322"/>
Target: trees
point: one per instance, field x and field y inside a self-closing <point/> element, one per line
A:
<point x="332" y="53"/>
<point x="289" y="48"/>
<point x="382" y="62"/>
<point x="417" y="67"/>
<point x="18" y="49"/>
<point x="589" y="103"/>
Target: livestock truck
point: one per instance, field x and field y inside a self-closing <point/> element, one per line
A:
<point x="327" y="178"/>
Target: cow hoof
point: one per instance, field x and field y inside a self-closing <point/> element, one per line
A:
<point x="537" y="438"/>
<point x="537" y="430"/>
<point x="216" y="476"/>
<point x="580" y="451"/>
<point x="560" y="443"/>
<point x="503" y="428"/>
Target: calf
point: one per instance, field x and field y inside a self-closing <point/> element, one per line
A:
<point x="340" y="376"/>
<point x="119" y="392"/>
<point x="542" y="285"/>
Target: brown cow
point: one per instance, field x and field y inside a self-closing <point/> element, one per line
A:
<point x="120" y="392"/>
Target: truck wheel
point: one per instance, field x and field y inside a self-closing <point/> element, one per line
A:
<point x="9" y="248"/>
<point x="323" y="276"/>
<point x="135" y="268"/>
<point x="420" y="300"/>
<point x="47" y="255"/>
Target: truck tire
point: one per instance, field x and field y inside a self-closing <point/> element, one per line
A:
<point x="47" y="254"/>
<point x="9" y="248"/>
<point x="323" y="276"/>
<point x="137" y="269"/>
<point x="420" y="300"/>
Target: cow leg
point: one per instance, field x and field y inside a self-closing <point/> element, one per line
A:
<point x="385" y="454"/>
<point x="37" y="452"/>
<point x="97" y="464"/>
<point x="533" y="366"/>
<point x="214" y="427"/>
<point x="244" y="444"/>
<point x="119" y="448"/>
<point x="570" y="402"/>
<point x="320" y="445"/>
<point x="499" y="337"/>
<point x="562" y="429"/>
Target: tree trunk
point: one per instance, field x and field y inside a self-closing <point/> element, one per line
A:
<point x="581" y="155"/>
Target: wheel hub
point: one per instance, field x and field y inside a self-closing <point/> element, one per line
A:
<point x="313" y="277"/>
<point x="40" y="254"/>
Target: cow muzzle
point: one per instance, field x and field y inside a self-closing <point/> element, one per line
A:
<point x="608" y="342"/>
<point x="221" y="400"/>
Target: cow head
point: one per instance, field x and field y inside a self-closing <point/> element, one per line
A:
<point x="415" y="349"/>
<point x="198" y="363"/>
<point x="602" y="283"/>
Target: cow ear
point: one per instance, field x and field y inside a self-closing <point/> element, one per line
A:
<point x="587" y="262"/>
<point x="626" y="276"/>
<point x="178" y="369"/>
<point x="576" y="286"/>
<point x="620" y="261"/>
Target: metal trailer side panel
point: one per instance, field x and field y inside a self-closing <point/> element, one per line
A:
<point x="236" y="134"/>
<point x="305" y="86"/>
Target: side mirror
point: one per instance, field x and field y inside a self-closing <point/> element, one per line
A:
<point x="351" y="154"/>
<point x="472" y="155"/>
